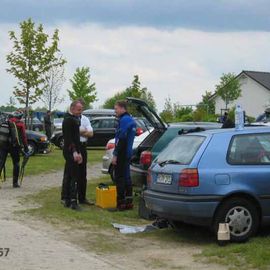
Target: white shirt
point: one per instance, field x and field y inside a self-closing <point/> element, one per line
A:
<point x="85" y="124"/>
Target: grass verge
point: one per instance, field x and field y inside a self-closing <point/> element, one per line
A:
<point x="47" y="163"/>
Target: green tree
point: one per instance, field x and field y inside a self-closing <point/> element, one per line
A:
<point x="135" y="90"/>
<point x="32" y="56"/>
<point x="207" y="104"/>
<point x="180" y="111"/>
<point x="229" y="88"/>
<point x="82" y="87"/>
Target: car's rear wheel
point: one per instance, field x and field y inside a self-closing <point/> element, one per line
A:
<point x="242" y="216"/>
<point x="32" y="148"/>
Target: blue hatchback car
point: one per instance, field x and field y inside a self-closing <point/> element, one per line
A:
<point x="213" y="177"/>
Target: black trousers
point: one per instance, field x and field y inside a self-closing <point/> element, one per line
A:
<point x="70" y="178"/>
<point x="15" y="156"/>
<point x="82" y="180"/>
<point x="48" y="131"/>
<point x="123" y="180"/>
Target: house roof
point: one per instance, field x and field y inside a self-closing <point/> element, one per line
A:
<point x="263" y="78"/>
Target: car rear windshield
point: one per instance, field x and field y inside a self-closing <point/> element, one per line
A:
<point x="182" y="149"/>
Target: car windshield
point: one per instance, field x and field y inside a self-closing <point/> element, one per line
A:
<point x="181" y="150"/>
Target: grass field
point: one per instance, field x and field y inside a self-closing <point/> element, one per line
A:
<point x="46" y="163"/>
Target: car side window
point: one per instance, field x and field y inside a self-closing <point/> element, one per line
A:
<point x="107" y="123"/>
<point x="95" y="123"/>
<point x="250" y="149"/>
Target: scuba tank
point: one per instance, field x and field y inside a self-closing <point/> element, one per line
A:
<point x="4" y="130"/>
<point x="4" y="134"/>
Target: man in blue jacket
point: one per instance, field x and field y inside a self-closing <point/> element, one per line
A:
<point x="124" y="138"/>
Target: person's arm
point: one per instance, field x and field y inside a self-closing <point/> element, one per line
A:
<point x="87" y="132"/>
<point x="124" y="125"/>
<point x="71" y="129"/>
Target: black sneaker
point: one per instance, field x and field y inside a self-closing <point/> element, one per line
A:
<point x="66" y="204"/>
<point x="75" y="206"/>
<point x="16" y="185"/>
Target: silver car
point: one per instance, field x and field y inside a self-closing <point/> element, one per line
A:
<point x="107" y="167"/>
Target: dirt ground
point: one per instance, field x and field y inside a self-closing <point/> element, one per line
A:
<point x="35" y="244"/>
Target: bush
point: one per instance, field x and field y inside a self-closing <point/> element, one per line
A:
<point x="187" y="118"/>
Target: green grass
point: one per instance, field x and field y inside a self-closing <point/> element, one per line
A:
<point x="47" y="163"/>
<point x="254" y="254"/>
<point x="51" y="209"/>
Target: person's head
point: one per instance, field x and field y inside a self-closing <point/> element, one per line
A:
<point x="76" y="108"/>
<point x="49" y="112"/>
<point x="226" y="114"/>
<point x="120" y="107"/>
<point x="18" y="114"/>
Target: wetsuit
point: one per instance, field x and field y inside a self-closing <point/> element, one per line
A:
<point x="71" y="134"/>
<point x="13" y="147"/>
<point x="124" y="138"/>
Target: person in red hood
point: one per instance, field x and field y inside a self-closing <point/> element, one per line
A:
<point x="17" y="140"/>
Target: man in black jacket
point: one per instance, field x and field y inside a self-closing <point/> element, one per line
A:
<point x="72" y="155"/>
<point x="48" y="124"/>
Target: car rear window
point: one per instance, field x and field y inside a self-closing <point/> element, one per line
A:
<point x="182" y="149"/>
<point x="250" y="149"/>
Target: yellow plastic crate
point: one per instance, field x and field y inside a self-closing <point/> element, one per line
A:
<point x="106" y="197"/>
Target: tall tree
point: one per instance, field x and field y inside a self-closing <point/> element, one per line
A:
<point x="54" y="80"/>
<point x="32" y="56"/>
<point x="229" y="88"/>
<point x="168" y="111"/>
<point x="82" y="87"/>
<point x="135" y="90"/>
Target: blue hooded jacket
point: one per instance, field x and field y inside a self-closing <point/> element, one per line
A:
<point x="125" y="135"/>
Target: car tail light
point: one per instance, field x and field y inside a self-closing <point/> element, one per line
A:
<point x="149" y="177"/>
<point x="43" y="139"/>
<point x="139" y="131"/>
<point x="146" y="158"/>
<point x="110" y="146"/>
<point x="189" y="178"/>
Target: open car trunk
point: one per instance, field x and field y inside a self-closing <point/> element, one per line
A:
<point x="141" y="108"/>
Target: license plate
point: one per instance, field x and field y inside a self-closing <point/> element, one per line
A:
<point x="165" y="179"/>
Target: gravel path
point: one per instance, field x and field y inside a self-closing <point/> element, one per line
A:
<point x="38" y="249"/>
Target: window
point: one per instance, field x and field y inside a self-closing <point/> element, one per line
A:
<point x="95" y="123"/>
<point x="182" y="149"/>
<point x="107" y="123"/>
<point x="250" y="149"/>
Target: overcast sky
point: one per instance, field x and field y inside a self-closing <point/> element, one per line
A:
<point x="178" y="48"/>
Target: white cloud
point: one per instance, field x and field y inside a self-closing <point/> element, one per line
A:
<point x="179" y="63"/>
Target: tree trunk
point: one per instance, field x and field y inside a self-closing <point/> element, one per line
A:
<point x="27" y="106"/>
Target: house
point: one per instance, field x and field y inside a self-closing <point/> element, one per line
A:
<point x="255" y="93"/>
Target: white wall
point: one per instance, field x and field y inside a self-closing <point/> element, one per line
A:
<point x="254" y="98"/>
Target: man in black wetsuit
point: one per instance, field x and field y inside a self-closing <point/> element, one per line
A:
<point x="72" y="155"/>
